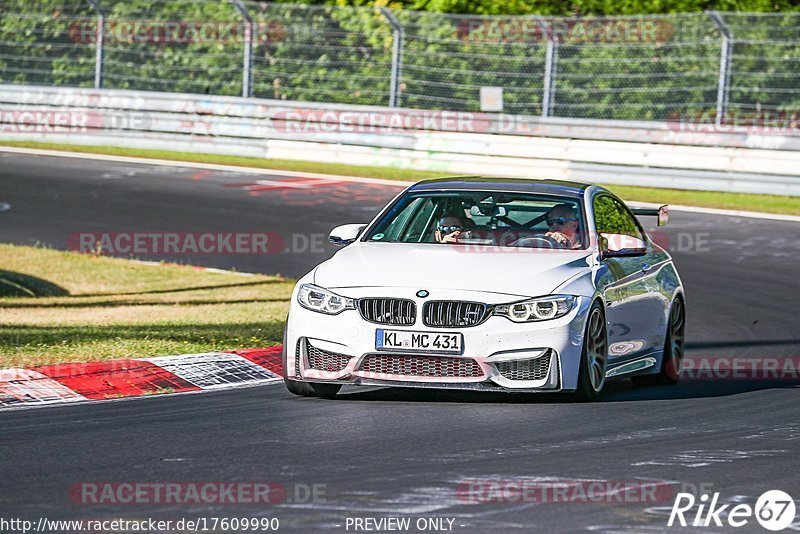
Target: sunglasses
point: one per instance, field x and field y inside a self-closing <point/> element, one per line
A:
<point x="450" y="229"/>
<point x="559" y="220"/>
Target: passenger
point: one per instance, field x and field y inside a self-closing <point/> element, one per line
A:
<point x="449" y="229"/>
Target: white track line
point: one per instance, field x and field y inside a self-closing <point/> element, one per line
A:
<point x="194" y="267"/>
<point x="197" y="165"/>
<point x="395" y="183"/>
<point x="36" y="406"/>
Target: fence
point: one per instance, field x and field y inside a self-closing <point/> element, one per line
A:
<point x="730" y="67"/>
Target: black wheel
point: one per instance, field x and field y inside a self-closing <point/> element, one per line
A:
<point x="672" y="360"/>
<point x="305" y="389"/>
<point x="592" y="372"/>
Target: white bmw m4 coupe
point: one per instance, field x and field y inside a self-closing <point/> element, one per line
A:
<point x="489" y="284"/>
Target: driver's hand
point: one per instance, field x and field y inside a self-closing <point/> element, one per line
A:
<point x="451" y="238"/>
<point x="558" y="237"/>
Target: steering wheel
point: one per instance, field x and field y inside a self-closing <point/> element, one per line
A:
<point x="537" y="242"/>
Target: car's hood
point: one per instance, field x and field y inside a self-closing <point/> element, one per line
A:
<point x="522" y="272"/>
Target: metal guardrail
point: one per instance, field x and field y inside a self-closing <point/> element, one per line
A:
<point x="647" y="154"/>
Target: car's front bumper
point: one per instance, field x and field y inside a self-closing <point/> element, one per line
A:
<point x="498" y="355"/>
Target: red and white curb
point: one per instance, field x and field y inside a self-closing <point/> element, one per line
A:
<point x="115" y="379"/>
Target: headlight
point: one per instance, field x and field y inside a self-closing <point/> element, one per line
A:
<point x="539" y="309"/>
<point x="321" y="300"/>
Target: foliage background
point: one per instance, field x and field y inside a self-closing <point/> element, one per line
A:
<point x="341" y="52"/>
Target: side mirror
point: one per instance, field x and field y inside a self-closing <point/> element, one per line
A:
<point x="663" y="215"/>
<point x="345" y="234"/>
<point x="621" y="246"/>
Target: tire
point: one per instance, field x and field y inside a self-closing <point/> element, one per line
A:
<point x="305" y="389"/>
<point x="594" y="356"/>
<point x="671" y="362"/>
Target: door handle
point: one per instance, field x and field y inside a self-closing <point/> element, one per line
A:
<point x="646" y="267"/>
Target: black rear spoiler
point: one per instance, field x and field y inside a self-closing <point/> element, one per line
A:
<point x="661" y="212"/>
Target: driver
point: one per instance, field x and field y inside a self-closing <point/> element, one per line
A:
<point x="563" y="224"/>
<point x="449" y="229"/>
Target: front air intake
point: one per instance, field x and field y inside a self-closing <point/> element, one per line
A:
<point x="532" y="369"/>
<point x="323" y="360"/>
<point x="297" y="360"/>
<point x="421" y="366"/>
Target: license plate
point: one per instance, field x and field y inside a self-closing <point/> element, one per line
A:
<point x="431" y="342"/>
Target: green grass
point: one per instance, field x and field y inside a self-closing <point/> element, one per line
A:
<point x="98" y="308"/>
<point x="709" y="199"/>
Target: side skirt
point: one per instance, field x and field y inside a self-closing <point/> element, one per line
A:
<point x="639" y="364"/>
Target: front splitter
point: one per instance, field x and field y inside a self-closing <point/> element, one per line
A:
<point x="473" y="386"/>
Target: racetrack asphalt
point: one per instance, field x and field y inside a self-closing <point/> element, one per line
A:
<point x="396" y="452"/>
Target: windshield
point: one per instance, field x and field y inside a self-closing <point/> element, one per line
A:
<point x="483" y="217"/>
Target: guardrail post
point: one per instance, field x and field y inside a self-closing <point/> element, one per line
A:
<point x="398" y="38"/>
<point x="551" y="56"/>
<point x="99" y="43"/>
<point x="247" y="58"/>
<point x="724" y="85"/>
